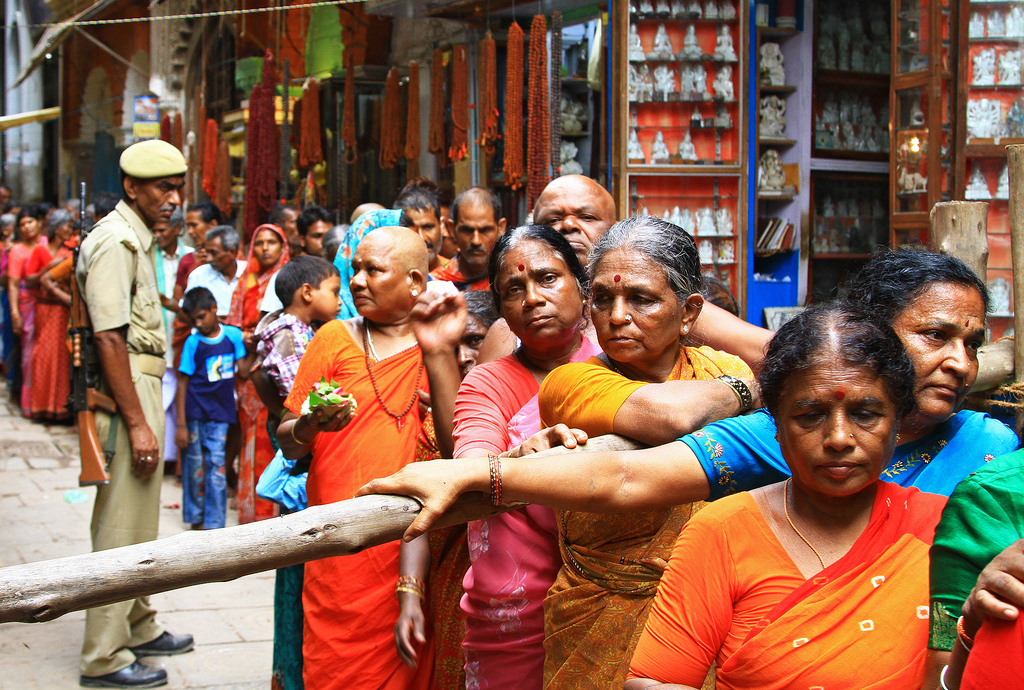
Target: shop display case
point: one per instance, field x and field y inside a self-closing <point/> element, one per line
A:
<point x="989" y="116"/>
<point x="680" y="71"/>
<point x="921" y="155"/>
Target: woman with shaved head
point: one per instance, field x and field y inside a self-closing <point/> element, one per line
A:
<point x="382" y="357"/>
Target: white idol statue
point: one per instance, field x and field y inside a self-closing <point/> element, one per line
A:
<point x="691" y="47"/>
<point x="773" y="177"/>
<point x="646" y="83"/>
<point x="687" y="221"/>
<point x="977" y="187"/>
<point x="1015" y="22"/>
<point x="722" y="116"/>
<point x="984" y="67"/>
<point x="695" y="10"/>
<point x="664" y="79"/>
<point x="632" y="83"/>
<point x="706" y="250"/>
<point x="983" y="118"/>
<point x="636" y="151"/>
<point x="976" y="27"/>
<point x="772" y="71"/>
<point x="711" y="9"/>
<point x="687" y="151"/>
<point x="726" y="10"/>
<point x="705" y="221"/>
<point x="659" y="151"/>
<point x="723" y="221"/>
<point x="726" y="251"/>
<point x="678" y="8"/>
<point x="569" y="164"/>
<point x="999" y="296"/>
<point x="636" y="47"/>
<point x="996" y="24"/>
<point x="646" y="7"/>
<point x="1003" y="187"/>
<point x="723" y="45"/>
<point x="722" y="84"/>
<point x="666" y="216"/>
<point x="662" y="45"/>
<point x="676" y="218"/>
<point x="662" y="8"/>
<point x="1009" y="67"/>
<point x="773" y="118"/>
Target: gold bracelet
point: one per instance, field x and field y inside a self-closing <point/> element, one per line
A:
<point x="494" y="463"/>
<point x="409" y="590"/>
<point x="294" y="438"/>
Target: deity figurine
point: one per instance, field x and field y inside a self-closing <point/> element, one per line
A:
<point x="1015" y="22"/>
<point x="696" y="120"/>
<point x="636" y="47"/>
<point x="676" y="218"/>
<point x="984" y="67"/>
<point x="772" y="71"/>
<point x="999" y="296"/>
<point x="976" y="26"/>
<point x="659" y="151"/>
<point x="678" y="8"/>
<point x="567" y="155"/>
<point x="632" y="84"/>
<point x="723" y="221"/>
<point x="662" y="9"/>
<point x="662" y="45"/>
<point x="996" y="24"/>
<point x="722" y="117"/>
<point x="773" y="177"/>
<point x="636" y="151"/>
<point x="711" y="9"/>
<point x="664" y="79"/>
<point x="694" y="9"/>
<point x="723" y="84"/>
<point x="687" y="221"/>
<point x="983" y="118"/>
<point x="1009" y="67"/>
<point x="977" y="187"/>
<point x="646" y="7"/>
<point x="687" y="151"/>
<point x="691" y="47"/>
<point x="706" y="251"/>
<point x="773" y="118"/>
<point x="695" y="81"/>
<point x="723" y="45"/>
<point x="726" y="10"/>
<point x="1003" y="187"/>
<point x="826" y="52"/>
<point x="726" y="250"/>
<point x="705" y="221"/>
<point x="646" y="83"/>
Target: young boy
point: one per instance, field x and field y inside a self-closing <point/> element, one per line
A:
<point x="206" y="406"/>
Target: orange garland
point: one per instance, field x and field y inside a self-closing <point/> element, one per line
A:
<point x="435" y="136"/>
<point x="460" y="104"/>
<point x="348" y="116"/>
<point x="310" y="149"/>
<point x="513" y="164"/>
<point x="390" y="123"/>
<point x="538" y="125"/>
<point x="412" y="125"/>
<point x="487" y="108"/>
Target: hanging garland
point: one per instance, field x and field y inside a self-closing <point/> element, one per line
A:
<point x="165" y="128"/>
<point x="513" y="167"/>
<point x="348" y="116"/>
<point x="210" y="158"/>
<point x="460" y="104"/>
<point x="435" y="135"/>
<point x="412" y="125"/>
<point x="310" y="149"/>
<point x="260" y="151"/>
<point x="390" y="122"/>
<point x="487" y="108"/>
<point x="223" y="188"/>
<point x="556" y="91"/>
<point x="538" y="141"/>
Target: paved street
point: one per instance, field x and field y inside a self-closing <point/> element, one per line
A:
<point x="232" y="622"/>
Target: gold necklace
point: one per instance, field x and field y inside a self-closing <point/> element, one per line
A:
<point x="785" y="507"/>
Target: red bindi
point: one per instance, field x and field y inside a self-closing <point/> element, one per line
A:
<point x="840" y="395"/>
<point x="522" y="267"/>
<point x="617" y="277"/>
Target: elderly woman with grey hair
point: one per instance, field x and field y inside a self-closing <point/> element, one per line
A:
<point x="51" y="361"/>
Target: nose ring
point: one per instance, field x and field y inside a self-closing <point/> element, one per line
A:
<point x="629" y="318"/>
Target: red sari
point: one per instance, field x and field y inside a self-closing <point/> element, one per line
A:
<point x="257" y="451"/>
<point x="51" y="359"/>
<point x="349" y="601"/>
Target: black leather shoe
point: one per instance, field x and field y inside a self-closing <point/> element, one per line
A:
<point x="137" y="675"/>
<point x="165" y="645"/>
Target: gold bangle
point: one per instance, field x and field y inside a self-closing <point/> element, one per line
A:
<point x="409" y="590"/>
<point x="295" y="438"/>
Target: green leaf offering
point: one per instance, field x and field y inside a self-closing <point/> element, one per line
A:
<point x="329" y="397"/>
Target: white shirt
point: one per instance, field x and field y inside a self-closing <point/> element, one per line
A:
<point x="166" y="276"/>
<point x="210" y="278"/>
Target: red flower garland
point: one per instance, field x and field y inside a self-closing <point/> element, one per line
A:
<point x="261" y="162"/>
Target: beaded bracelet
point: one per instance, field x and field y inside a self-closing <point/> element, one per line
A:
<point x="966" y="640"/>
<point x="495" y="467"/>
<point x="741" y="390"/>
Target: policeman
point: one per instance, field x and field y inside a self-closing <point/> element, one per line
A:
<point x="117" y="278"/>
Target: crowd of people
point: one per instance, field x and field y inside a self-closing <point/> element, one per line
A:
<point x="787" y="521"/>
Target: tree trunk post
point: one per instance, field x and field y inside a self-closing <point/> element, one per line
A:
<point x="960" y="229"/>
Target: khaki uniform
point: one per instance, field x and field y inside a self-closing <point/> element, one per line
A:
<point x="117" y="278"/>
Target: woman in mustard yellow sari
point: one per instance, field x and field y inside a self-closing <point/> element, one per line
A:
<point x="646" y="284"/>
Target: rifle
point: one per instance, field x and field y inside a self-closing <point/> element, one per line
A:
<point x="85" y="398"/>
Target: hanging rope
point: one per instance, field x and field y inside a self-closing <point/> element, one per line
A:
<point x="435" y="135"/>
<point x="348" y="114"/>
<point x="487" y="106"/>
<point x="310" y="148"/>
<point x="412" y="125"/>
<point x="513" y="164"/>
<point x="390" y="122"/>
<point x="556" y="92"/>
<point x="538" y="142"/>
<point x="460" y="104"/>
<point x="210" y="157"/>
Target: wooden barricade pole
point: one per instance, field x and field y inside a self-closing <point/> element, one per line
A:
<point x="1015" y="162"/>
<point x="42" y="591"/>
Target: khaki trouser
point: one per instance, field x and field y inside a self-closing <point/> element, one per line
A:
<point x="127" y="511"/>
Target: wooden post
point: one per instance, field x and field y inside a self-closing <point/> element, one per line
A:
<point x="959" y="228"/>
<point x="1015" y="162"/>
<point x="42" y="591"/>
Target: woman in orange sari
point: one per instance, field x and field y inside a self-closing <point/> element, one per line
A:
<point x="383" y="358"/>
<point x="820" y="580"/>
<point x="267" y="254"/>
<point x="646" y="281"/>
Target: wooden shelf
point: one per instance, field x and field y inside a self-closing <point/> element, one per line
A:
<point x="762" y="196"/>
<point x="989" y="148"/>
<point x="785" y="143"/>
<point x="768" y="88"/>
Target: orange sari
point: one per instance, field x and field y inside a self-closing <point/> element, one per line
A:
<point x="349" y="601"/>
<point x="732" y="594"/>
<point x="611" y="564"/>
<point x="257" y="450"/>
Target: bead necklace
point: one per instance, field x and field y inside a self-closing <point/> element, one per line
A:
<point x="513" y="167"/>
<point x="785" y="507"/>
<point x="367" y="349"/>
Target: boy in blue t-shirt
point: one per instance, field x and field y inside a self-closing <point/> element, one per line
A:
<point x="206" y="406"/>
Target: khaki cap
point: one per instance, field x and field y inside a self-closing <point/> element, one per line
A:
<point x="151" y="159"/>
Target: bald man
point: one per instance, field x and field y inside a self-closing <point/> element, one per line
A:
<point x="582" y="210"/>
<point x="363" y="208"/>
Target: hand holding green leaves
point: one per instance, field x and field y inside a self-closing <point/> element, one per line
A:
<point x="328" y="397"/>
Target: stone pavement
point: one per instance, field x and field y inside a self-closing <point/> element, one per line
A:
<point x="232" y="621"/>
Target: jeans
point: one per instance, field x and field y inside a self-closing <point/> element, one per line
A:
<point x="204" y="487"/>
